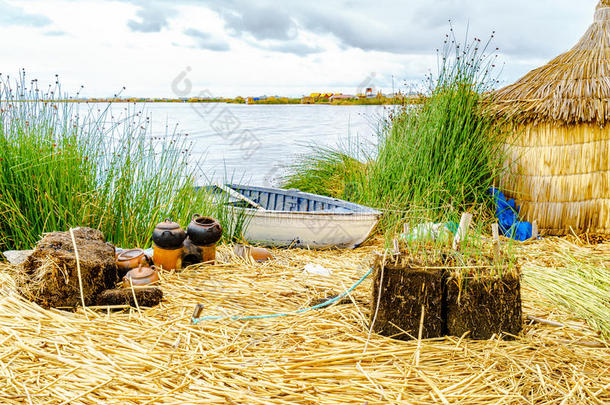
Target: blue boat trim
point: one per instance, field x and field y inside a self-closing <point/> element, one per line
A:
<point x="292" y="200"/>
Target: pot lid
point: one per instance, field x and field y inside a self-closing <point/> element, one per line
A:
<point x="130" y="254"/>
<point x="168" y="224"/>
<point x="142" y="272"/>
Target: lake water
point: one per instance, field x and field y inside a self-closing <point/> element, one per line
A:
<point x="254" y="143"/>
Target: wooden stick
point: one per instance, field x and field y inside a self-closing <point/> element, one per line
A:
<point x="239" y="196"/>
<point x="80" y="279"/>
<point x="419" y="335"/>
<point x="495" y="241"/>
<point x="535" y="229"/>
<point x="133" y="293"/>
<point x="462" y="231"/>
<point x="552" y="323"/>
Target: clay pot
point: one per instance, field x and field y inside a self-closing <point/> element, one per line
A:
<point x="140" y="276"/>
<point x="208" y="254"/>
<point x="194" y="254"/>
<point x="167" y="259"/>
<point x="257" y="254"/>
<point x="168" y="235"/>
<point x="203" y="231"/>
<point x="260" y="254"/>
<point x="130" y="259"/>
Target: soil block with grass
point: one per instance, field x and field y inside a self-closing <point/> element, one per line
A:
<point x="483" y="305"/>
<point x="50" y="275"/>
<point x="401" y="289"/>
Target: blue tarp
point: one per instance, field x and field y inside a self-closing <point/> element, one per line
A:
<point x="507" y="213"/>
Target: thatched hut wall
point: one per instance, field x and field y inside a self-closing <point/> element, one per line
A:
<point x="560" y="165"/>
<point x="560" y="175"/>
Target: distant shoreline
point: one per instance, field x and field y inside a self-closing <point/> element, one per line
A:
<point x="377" y="100"/>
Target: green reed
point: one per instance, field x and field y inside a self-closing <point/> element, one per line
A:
<point x="432" y="161"/>
<point x="580" y="284"/>
<point x="62" y="167"/>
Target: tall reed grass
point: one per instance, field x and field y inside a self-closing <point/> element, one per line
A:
<point x="432" y="161"/>
<point x="325" y="171"/>
<point x="65" y="164"/>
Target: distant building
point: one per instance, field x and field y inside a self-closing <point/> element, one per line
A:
<point x="340" y="97"/>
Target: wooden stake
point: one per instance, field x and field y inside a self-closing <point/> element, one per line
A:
<point x="80" y="279"/>
<point x="419" y="335"/>
<point x="495" y="241"/>
<point x="462" y="231"/>
<point x="535" y="229"/>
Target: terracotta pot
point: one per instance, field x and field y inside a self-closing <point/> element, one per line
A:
<point x="130" y="259"/>
<point x="260" y="254"/>
<point x="208" y="254"/>
<point x="257" y="254"/>
<point x="203" y="231"/>
<point x="167" y="259"/>
<point x="194" y="254"/>
<point x="140" y="276"/>
<point x="168" y="235"/>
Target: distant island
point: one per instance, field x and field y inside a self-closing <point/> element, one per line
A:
<point x="367" y="98"/>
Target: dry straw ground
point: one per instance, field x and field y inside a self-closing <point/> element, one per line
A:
<point x="155" y="355"/>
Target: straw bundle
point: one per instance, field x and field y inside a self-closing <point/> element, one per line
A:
<point x="560" y="170"/>
<point x="575" y="278"/>
<point x="324" y="356"/>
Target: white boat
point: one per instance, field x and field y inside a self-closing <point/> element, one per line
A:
<point x="293" y="218"/>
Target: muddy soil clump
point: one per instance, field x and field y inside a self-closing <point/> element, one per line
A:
<point x="49" y="275"/>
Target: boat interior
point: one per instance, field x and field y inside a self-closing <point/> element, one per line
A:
<point x="287" y="200"/>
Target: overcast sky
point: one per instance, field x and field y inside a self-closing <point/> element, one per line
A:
<point x="244" y="47"/>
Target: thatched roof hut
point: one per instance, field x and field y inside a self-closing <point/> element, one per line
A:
<point x="560" y="167"/>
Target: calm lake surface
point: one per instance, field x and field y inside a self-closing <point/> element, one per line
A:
<point x="254" y="143"/>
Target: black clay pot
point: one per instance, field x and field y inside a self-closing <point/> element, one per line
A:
<point x="168" y="235"/>
<point x="203" y="231"/>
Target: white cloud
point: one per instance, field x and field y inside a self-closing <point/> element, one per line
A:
<point x="12" y="14"/>
<point x="205" y="40"/>
<point x="273" y="47"/>
<point x="151" y="18"/>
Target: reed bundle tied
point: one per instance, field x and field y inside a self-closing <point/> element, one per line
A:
<point x="560" y="170"/>
<point x="139" y="356"/>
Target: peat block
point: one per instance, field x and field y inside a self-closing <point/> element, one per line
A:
<point x="49" y="275"/>
<point x="86" y="233"/>
<point x="484" y="306"/>
<point x="146" y="296"/>
<point x="404" y="290"/>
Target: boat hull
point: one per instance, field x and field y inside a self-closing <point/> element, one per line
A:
<point x="307" y="230"/>
<point x="277" y="217"/>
